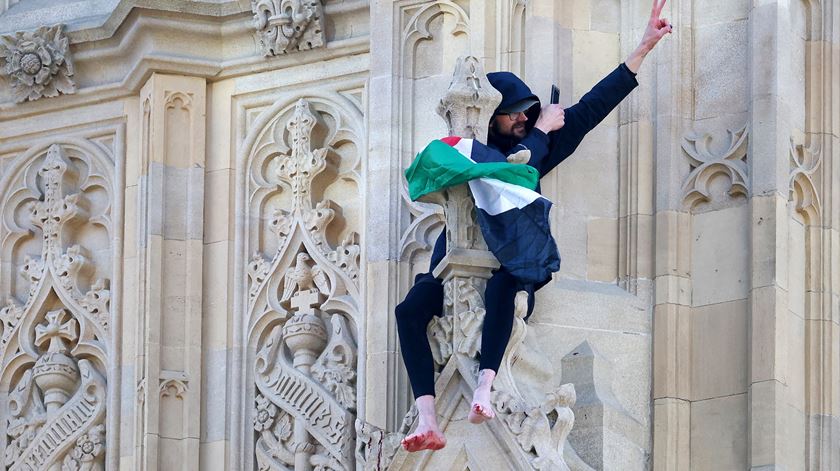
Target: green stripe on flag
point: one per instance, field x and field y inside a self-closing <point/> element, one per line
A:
<point x="439" y="166"/>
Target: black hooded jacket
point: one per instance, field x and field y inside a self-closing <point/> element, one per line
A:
<point x="547" y="151"/>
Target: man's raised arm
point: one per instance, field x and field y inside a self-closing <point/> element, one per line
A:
<point x="567" y="128"/>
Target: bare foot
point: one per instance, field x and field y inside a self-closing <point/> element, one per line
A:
<point x="481" y="409"/>
<point x="424" y="438"/>
<point x="427" y="436"/>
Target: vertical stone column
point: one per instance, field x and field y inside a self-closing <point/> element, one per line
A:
<point x="466" y="108"/>
<point x="672" y="236"/>
<point x="636" y="166"/>
<point x="170" y="253"/>
<point x="773" y="348"/>
<point x="816" y="190"/>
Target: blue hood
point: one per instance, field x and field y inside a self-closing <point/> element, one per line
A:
<point x="513" y="90"/>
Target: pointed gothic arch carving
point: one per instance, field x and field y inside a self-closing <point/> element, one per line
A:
<point x="424" y="219"/>
<point x="302" y="300"/>
<point x="55" y="203"/>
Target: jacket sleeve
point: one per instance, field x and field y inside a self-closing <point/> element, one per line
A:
<point x="582" y="117"/>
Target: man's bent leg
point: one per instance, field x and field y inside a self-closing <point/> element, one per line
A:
<point x="423" y="302"/>
<point x="498" y="323"/>
<point x="498" y="320"/>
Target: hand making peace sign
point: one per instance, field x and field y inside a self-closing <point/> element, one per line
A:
<point x="656" y="29"/>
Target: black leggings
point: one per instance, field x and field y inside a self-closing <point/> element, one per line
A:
<point x="425" y="300"/>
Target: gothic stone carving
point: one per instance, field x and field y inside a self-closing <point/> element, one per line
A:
<point x="305" y="297"/>
<point x="51" y="213"/>
<point x="54" y="346"/>
<point x="466" y="108"/>
<point x="58" y="406"/>
<point x="284" y="26"/>
<point x="375" y="448"/>
<point x="804" y="163"/>
<point x="540" y="430"/>
<point x="38" y="63"/>
<point x="470" y="101"/>
<point x="705" y="165"/>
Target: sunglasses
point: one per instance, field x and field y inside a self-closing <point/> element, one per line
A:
<point x="513" y="116"/>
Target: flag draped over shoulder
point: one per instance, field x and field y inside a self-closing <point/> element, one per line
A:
<point x="512" y="216"/>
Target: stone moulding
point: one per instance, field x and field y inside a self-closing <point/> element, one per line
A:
<point x="37" y="63"/>
<point x="284" y="26"/>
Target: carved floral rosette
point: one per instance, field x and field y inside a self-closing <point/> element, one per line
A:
<point x="56" y="265"/>
<point x="303" y="285"/>
<point x="37" y="63"/>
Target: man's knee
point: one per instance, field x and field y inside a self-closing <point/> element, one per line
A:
<point x="403" y="312"/>
<point x="501" y="278"/>
<point x="419" y="306"/>
<point x="411" y="315"/>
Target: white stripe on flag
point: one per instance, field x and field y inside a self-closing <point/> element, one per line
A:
<point x="495" y="196"/>
<point x="464" y="146"/>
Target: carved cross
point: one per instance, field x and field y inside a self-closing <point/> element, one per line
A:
<point x="303" y="164"/>
<point x="55" y="332"/>
<point x="304" y="301"/>
<point x="55" y="209"/>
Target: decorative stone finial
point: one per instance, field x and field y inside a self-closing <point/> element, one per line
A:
<point x="470" y="101"/>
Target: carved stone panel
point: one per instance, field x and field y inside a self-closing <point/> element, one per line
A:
<point x="56" y="323"/>
<point x="303" y="289"/>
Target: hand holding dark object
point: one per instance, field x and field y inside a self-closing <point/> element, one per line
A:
<point x="656" y="29"/>
<point x="552" y="118"/>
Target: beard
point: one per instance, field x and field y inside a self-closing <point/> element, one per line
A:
<point x="505" y="138"/>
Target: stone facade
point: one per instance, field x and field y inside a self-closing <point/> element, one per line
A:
<point x="204" y="231"/>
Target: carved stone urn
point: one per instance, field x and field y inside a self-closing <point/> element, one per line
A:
<point x="305" y="333"/>
<point x="54" y="372"/>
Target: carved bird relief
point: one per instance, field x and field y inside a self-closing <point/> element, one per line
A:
<point x="302" y="277"/>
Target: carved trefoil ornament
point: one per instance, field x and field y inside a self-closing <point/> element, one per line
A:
<point x="38" y="63"/>
<point x="55" y="343"/>
<point x="284" y="26"/>
<point x="706" y="165"/>
<point x="303" y="293"/>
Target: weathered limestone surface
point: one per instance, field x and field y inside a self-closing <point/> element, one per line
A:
<point x="204" y="230"/>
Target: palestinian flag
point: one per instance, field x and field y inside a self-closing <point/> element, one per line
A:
<point x="512" y="216"/>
